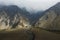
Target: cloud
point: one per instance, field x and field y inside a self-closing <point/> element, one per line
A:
<point x="33" y="4"/>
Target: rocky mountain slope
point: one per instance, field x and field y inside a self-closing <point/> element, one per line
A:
<point x="51" y="18"/>
<point x="12" y="16"/>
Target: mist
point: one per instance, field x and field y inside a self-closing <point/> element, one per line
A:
<point x="31" y="4"/>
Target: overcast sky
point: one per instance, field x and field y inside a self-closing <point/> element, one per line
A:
<point x="31" y="4"/>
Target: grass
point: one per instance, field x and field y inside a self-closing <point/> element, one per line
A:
<point x="14" y="35"/>
<point x="20" y="34"/>
<point x="45" y="35"/>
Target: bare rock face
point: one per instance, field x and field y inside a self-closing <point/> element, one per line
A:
<point x="51" y="19"/>
<point x="13" y="17"/>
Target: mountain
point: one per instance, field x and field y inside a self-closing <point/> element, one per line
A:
<point x="51" y="18"/>
<point x="13" y="17"/>
<point x="35" y="16"/>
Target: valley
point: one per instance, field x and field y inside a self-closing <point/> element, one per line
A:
<point x="32" y="34"/>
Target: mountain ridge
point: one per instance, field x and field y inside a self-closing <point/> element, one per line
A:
<point x="50" y="19"/>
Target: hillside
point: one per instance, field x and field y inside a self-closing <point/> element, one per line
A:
<point x="13" y="17"/>
<point x="18" y="24"/>
<point x="51" y="19"/>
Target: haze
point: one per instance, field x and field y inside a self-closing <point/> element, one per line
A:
<point x="31" y="4"/>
